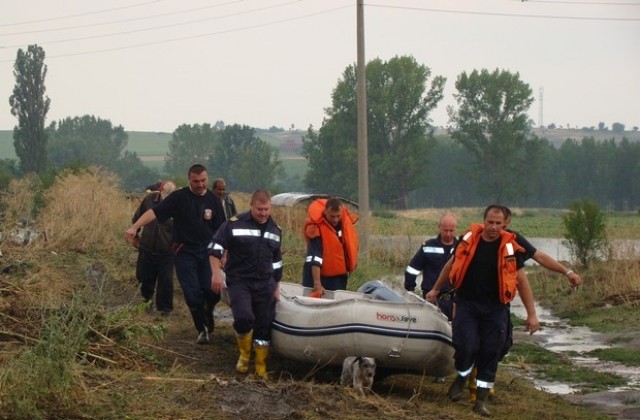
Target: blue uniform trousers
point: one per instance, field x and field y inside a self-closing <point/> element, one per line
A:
<point x="194" y="274"/>
<point x="480" y="331"/>
<point x="252" y="305"/>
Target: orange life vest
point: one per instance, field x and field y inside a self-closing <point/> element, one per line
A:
<point x="340" y="254"/>
<point x="507" y="266"/>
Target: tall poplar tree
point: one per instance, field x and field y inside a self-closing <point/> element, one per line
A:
<point x="29" y="103"/>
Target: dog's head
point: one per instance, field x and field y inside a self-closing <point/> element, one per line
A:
<point x="367" y="366"/>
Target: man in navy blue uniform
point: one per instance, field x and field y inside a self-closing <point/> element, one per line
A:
<point x="197" y="214"/>
<point x="253" y="269"/>
<point x="486" y="272"/>
<point x="430" y="258"/>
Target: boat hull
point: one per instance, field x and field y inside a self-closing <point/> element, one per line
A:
<point x="409" y="335"/>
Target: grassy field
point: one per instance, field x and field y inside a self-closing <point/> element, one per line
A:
<point x="148" y="144"/>
<point x="541" y="223"/>
<point x="78" y="343"/>
<point x="143" y="143"/>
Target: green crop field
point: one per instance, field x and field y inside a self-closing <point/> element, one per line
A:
<point x="148" y="143"/>
<point x="143" y="143"/>
<point x="7" y="150"/>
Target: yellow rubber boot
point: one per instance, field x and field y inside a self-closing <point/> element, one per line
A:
<point x="473" y="388"/>
<point x="262" y="352"/>
<point x="244" y="346"/>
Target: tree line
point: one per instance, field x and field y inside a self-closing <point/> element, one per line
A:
<point x="235" y="151"/>
<point x="489" y="153"/>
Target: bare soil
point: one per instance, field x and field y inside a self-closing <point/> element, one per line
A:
<point x="199" y="381"/>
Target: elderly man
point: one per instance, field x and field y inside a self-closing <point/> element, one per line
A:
<point x="219" y="188"/>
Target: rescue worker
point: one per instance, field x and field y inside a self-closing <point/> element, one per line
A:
<point x="332" y="246"/>
<point x="430" y="258"/>
<point x="486" y="272"/>
<point x="155" y="259"/>
<point x="253" y="269"/>
<point x="197" y="214"/>
<point x="530" y="252"/>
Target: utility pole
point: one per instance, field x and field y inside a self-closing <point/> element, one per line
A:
<point x="363" y="159"/>
<point x="540" y="116"/>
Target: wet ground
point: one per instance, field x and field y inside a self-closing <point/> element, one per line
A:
<point x="560" y="337"/>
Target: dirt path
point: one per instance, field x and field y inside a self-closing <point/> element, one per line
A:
<point x="295" y="387"/>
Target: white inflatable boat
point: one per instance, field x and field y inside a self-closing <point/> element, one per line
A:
<point x="398" y="328"/>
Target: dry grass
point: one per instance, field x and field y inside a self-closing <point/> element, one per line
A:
<point x="116" y="362"/>
<point x="84" y="211"/>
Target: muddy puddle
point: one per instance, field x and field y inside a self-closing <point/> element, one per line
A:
<point x="558" y="336"/>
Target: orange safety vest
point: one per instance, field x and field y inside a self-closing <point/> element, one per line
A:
<point x="340" y="255"/>
<point x="507" y="266"/>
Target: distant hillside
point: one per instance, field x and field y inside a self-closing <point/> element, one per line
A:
<point x="558" y="136"/>
<point x="153" y="146"/>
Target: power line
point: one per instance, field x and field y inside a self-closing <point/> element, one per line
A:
<point x="146" y="44"/>
<point x="91" y="25"/>
<point x="4" y="25"/>
<point x="518" y="15"/>
<point x="582" y="3"/>
<point x="172" y="25"/>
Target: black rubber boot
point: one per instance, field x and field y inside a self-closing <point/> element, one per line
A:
<point x="456" y="390"/>
<point x="480" y="406"/>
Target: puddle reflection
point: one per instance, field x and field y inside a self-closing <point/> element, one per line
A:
<point x="557" y="336"/>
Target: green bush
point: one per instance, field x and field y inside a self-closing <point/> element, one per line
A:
<point x="585" y="231"/>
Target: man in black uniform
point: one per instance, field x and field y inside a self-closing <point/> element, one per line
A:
<point x="430" y="258"/>
<point x="486" y="271"/>
<point x="155" y="259"/>
<point x="197" y="214"/>
<point x="253" y="271"/>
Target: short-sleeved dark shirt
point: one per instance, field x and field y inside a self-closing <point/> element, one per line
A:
<point x="196" y="218"/>
<point x="481" y="279"/>
<point x="529" y="250"/>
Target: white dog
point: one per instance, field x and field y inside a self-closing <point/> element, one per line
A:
<point x="358" y="372"/>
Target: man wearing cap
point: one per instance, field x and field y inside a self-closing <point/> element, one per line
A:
<point x="155" y="259"/>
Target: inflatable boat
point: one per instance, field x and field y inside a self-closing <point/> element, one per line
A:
<point x="398" y="328"/>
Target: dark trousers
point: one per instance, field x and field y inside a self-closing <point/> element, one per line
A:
<point x="329" y="283"/>
<point x="252" y="306"/>
<point x="152" y="269"/>
<point x="444" y="303"/>
<point x="479" y="334"/>
<point x="194" y="274"/>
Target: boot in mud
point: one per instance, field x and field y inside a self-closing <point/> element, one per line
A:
<point x="457" y="388"/>
<point x="480" y="406"/>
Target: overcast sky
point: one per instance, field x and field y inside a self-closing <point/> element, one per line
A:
<point x="154" y="65"/>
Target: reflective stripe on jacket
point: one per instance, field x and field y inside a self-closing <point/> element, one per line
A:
<point x="339" y="253"/>
<point x="507" y="264"/>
